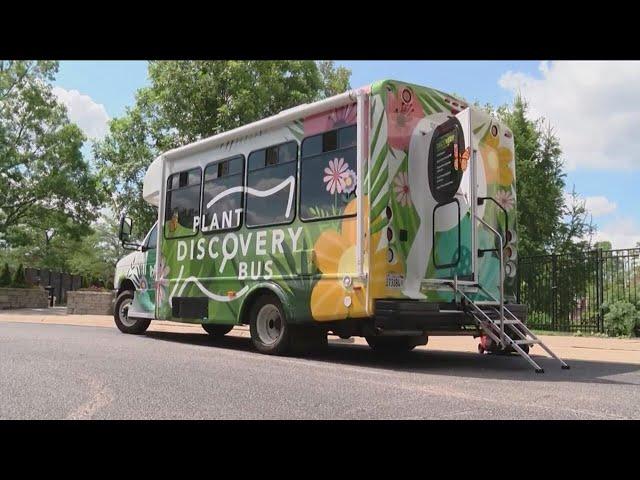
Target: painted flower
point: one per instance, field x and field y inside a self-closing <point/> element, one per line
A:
<point x="335" y="174"/>
<point x="404" y="111"/>
<point x="350" y="180"/>
<point x="497" y="160"/>
<point x="322" y="122"/>
<point x="505" y="198"/>
<point x="162" y="280"/>
<point x="401" y="188"/>
<point x="335" y="255"/>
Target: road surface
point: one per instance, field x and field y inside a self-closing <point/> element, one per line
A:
<point x="52" y="371"/>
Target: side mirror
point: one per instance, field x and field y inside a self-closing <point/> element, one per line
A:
<point x="126" y="225"/>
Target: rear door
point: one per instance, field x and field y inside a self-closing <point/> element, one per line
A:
<point x="450" y="183"/>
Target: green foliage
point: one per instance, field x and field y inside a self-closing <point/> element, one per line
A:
<point x="19" y="279"/>
<point x="5" y="276"/>
<point x="539" y="178"/>
<point x="621" y="318"/>
<point x="190" y="100"/>
<point x="334" y="80"/>
<point x="46" y="183"/>
<point x="604" y="245"/>
<point x="95" y="257"/>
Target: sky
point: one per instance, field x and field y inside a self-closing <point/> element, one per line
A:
<point x="594" y="108"/>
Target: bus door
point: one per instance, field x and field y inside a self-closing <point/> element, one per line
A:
<point x="450" y="197"/>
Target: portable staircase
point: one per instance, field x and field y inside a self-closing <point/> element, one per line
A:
<point x="490" y="316"/>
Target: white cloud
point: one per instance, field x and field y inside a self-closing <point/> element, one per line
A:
<point x="90" y="116"/>
<point x="593" y="106"/>
<point x="599" y="205"/>
<point x="623" y="232"/>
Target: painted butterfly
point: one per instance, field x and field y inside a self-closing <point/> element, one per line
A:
<point x="460" y="162"/>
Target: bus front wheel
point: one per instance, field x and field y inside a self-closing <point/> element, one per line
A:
<point x="124" y="322"/>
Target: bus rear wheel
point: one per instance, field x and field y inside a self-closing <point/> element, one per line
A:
<point x="273" y="335"/>
<point x="124" y="322"/>
<point x="217" y="330"/>
<point x="268" y="326"/>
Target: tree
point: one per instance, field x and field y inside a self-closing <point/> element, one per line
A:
<point x="44" y="180"/>
<point x="573" y="234"/>
<point x="603" y="245"/>
<point x="539" y="179"/>
<point x="335" y="80"/>
<point x="97" y="254"/>
<point x="19" y="280"/>
<point x="5" y="276"/>
<point x="190" y="100"/>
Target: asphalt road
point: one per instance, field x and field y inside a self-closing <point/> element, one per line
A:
<point x="76" y="372"/>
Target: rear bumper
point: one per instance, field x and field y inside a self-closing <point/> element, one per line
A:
<point x="429" y="317"/>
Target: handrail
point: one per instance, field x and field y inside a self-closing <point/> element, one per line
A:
<point x="501" y="257"/>
<point x="506" y="216"/>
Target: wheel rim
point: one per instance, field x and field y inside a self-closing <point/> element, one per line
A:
<point x="123" y="313"/>
<point x="269" y="324"/>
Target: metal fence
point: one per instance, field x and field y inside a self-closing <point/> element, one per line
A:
<point x="567" y="292"/>
<point x="59" y="282"/>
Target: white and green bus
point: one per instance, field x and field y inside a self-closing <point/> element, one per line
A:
<point x="386" y="212"/>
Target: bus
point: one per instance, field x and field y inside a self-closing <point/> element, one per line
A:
<point x="386" y="212"/>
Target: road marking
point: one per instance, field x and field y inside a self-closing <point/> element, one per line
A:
<point x="99" y="397"/>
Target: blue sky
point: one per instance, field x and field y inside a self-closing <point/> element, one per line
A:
<point x="594" y="107"/>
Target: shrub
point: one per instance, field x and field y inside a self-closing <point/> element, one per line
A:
<point x="19" y="280"/>
<point x="621" y="319"/>
<point x="5" y="276"/>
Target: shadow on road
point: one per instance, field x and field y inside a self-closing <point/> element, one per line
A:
<point x="437" y="362"/>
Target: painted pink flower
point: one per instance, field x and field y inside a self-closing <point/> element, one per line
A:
<point x="505" y="199"/>
<point x="350" y="180"/>
<point x="335" y="175"/>
<point x="404" y="111"/>
<point x="339" y="117"/>
<point x="162" y="280"/>
<point x="401" y="188"/>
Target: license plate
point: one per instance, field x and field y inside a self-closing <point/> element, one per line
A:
<point x="394" y="280"/>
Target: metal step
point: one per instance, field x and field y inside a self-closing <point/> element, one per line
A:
<point x="507" y="321"/>
<point x="487" y="322"/>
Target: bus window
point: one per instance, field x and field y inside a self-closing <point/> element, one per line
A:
<point x="444" y="176"/>
<point x="183" y="203"/>
<point x="328" y="173"/>
<point x="153" y="238"/>
<point x="275" y="169"/>
<point x="226" y="211"/>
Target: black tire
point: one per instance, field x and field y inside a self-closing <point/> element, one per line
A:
<point x="292" y="339"/>
<point x="394" y="344"/>
<point x="134" y="326"/>
<point x="217" y="330"/>
<point x="281" y="344"/>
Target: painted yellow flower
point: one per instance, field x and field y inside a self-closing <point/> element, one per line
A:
<point x="335" y="256"/>
<point x="497" y="160"/>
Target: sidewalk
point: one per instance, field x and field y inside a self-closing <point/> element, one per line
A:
<point x="567" y="347"/>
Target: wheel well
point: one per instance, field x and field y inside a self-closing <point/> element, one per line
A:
<point x="126" y="285"/>
<point x="249" y="301"/>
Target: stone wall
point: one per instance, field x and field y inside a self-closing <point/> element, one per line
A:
<point x="23" y="298"/>
<point x="90" y="303"/>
